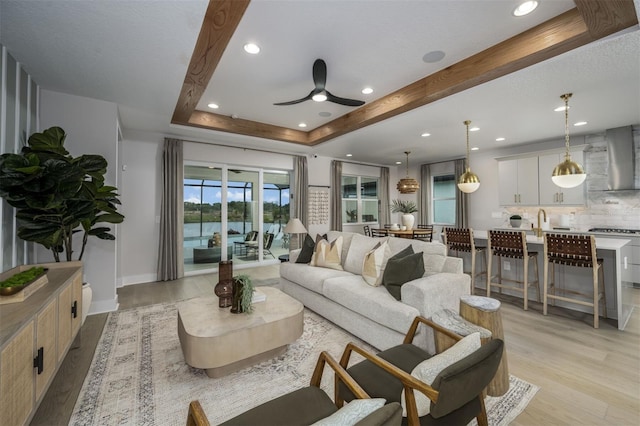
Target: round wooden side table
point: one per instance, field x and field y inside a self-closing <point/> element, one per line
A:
<point x="485" y="312"/>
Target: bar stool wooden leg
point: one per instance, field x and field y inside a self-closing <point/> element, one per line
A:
<point x="596" y="297"/>
<point x="473" y="272"/>
<point x="489" y="265"/>
<point x="604" y="291"/>
<point x="545" y="272"/>
<point x="535" y="262"/>
<point x="525" y="266"/>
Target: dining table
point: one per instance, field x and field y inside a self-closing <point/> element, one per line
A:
<point x="407" y="233"/>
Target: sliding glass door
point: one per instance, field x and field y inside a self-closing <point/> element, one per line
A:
<point x="233" y="213"/>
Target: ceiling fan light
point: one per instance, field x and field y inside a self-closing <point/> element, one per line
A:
<point x="319" y="97"/>
<point x="468" y="182"/>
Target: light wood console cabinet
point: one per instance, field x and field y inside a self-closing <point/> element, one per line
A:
<point x="35" y="336"/>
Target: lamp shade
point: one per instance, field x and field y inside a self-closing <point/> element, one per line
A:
<point x="295" y="226"/>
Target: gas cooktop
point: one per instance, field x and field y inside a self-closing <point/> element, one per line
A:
<point x="615" y="230"/>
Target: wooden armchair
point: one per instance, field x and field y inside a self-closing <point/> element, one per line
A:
<point x="304" y="406"/>
<point x="456" y="394"/>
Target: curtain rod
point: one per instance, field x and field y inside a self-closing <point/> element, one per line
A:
<point x="318" y="186"/>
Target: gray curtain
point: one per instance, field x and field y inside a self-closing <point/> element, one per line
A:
<point x="301" y="193"/>
<point x="170" y="254"/>
<point x="385" y="215"/>
<point x="424" y="196"/>
<point x="336" y="196"/>
<point x="462" y="199"/>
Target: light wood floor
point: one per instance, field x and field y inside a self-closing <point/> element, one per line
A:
<point x="586" y="376"/>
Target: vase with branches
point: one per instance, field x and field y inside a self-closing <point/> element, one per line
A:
<point x="407" y="208"/>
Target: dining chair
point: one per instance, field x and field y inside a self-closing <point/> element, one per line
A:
<point x="512" y="245"/>
<point x="461" y="240"/>
<point x="379" y="233"/>
<point x="574" y="251"/>
<point x="425" y="237"/>
<point x="367" y="230"/>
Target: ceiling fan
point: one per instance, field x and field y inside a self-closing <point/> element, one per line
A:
<point x="320" y="94"/>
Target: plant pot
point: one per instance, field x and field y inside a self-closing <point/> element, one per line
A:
<point x="408" y="220"/>
<point x="515" y="223"/>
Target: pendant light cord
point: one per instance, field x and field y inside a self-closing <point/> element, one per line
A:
<point x="407" y="152"/>
<point x="566" y="97"/>
<point x="466" y="123"/>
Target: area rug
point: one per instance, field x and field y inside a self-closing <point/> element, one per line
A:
<point x="138" y="375"/>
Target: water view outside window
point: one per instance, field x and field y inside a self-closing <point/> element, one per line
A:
<point x="444" y="199"/>
<point x="359" y="199"/>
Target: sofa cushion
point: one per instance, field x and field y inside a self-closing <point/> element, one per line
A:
<point x="328" y="254"/>
<point x="360" y="246"/>
<point x="308" y="246"/>
<point x="309" y="277"/>
<point x="374" y="303"/>
<point x="400" y="270"/>
<point x="346" y="240"/>
<point x="434" y="253"/>
<point x="429" y="369"/>
<point x="374" y="263"/>
<point x="352" y="412"/>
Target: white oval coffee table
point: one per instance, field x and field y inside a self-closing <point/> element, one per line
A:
<point x="214" y="339"/>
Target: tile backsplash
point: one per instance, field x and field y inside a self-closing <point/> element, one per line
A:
<point x="619" y="209"/>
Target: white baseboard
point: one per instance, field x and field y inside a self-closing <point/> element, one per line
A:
<point x="102" y="306"/>
<point x="139" y="279"/>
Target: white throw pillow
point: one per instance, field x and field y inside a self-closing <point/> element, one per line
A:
<point x="374" y="263"/>
<point x="352" y="413"/>
<point x="428" y="370"/>
<point x="328" y="255"/>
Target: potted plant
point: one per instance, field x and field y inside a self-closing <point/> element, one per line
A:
<point x="406" y="208"/>
<point x="57" y="195"/>
<point x="242" y="294"/>
<point x="353" y="215"/>
<point x="515" y="220"/>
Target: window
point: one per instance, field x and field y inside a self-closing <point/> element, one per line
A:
<point x="444" y="199"/>
<point x="359" y="199"/>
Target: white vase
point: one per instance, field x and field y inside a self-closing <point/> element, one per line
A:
<point x="408" y="220"/>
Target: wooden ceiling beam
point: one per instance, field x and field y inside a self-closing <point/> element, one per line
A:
<point x="605" y="17"/>
<point x="589" y="21"/>
<point x="220" y="22"/>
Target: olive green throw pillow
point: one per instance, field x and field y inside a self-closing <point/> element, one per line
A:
<point x="401" y="269"/>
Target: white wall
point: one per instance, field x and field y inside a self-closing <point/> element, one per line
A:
<point x="92" y="128"/>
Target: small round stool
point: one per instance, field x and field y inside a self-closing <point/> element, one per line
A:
<point x="485" y="312"/>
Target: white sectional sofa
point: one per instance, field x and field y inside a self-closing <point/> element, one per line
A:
<point x="372" y="313"/>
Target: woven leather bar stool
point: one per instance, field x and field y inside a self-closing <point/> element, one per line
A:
<point x="577" y="251"/>
<point x="512" y="245"/>
<point x="461" y="240"/>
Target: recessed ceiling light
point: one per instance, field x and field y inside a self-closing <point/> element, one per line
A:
<point x="525" y="8"/>
<point x="302" y="125"/>
<point x="398" y="162"/>
<point x="475" y="148"/>
<point x="324" y="114"/>
<point x="433" y="56"/>
<point x="474" y="129"/>
<point x="349" y="155"/>
<point x="499" y="139"/>
<point x="367" y="90"/>
<point x="213" y="106"/>
<point x="580" y="123"/>
<point x="252" y="48"/>
<point x="425" y="135"/>
<point x="560" y="108"/>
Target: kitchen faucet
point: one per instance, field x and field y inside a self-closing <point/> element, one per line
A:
<point x="539" y="228"/>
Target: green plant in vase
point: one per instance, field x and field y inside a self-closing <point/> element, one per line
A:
<point x="242" y="294"/>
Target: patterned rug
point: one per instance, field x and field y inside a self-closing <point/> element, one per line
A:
<point x="138" y="375"/>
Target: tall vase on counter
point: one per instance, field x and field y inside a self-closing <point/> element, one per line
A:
<point x="407" y="208"/>
<point x="224" y="288"/>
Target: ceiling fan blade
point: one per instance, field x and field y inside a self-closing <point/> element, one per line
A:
<point x="306" y="98"/>
<point x="319" y="74"/>
<point x="343" y="101"/>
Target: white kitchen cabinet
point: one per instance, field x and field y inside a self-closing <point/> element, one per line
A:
<point x="518" y="182"/>
<point x="550" y="193"/>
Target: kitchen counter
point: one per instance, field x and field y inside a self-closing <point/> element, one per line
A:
<point x="615" y="252"/>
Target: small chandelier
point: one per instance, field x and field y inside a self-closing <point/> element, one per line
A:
<point x="468" y="181"/>
<point x="567" y="174"/>
<point x="408" y="185"/>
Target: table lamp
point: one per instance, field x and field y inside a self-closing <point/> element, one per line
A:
<point x="295" y="226"/>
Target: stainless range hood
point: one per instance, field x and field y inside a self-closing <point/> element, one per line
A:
<point x="622" y="159"/>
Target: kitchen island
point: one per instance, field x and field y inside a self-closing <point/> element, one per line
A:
<point x="617" y="281"/>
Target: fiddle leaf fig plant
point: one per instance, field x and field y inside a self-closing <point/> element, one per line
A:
<point x="57" y="195"/>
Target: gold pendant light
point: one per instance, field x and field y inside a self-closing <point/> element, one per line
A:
<point x="408" y="185"/>
<point x="567" y="174"/>
<point x="468" y="181"/>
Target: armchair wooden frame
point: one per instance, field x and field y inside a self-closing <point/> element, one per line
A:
<point x="410" y="383"/>
<point x="197" y="417"/>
